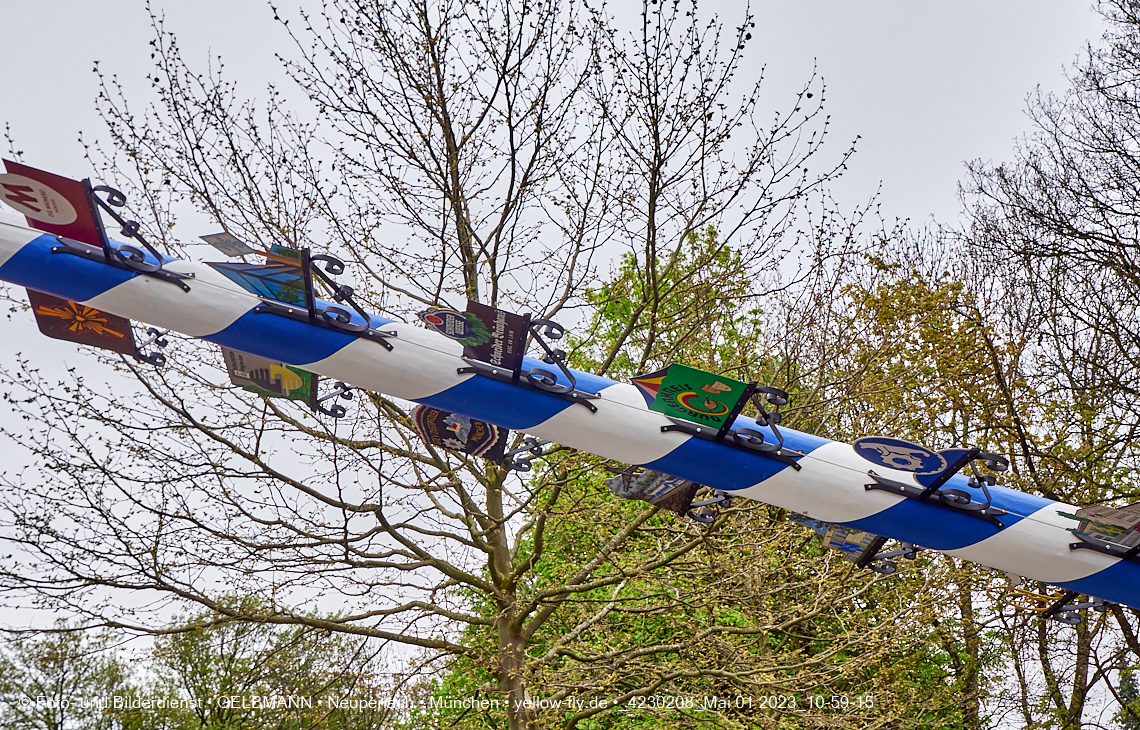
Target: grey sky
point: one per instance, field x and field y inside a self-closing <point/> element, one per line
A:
<point x="926" y="85"/>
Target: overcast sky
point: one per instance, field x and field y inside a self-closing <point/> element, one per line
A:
<point x="925" y="85"/>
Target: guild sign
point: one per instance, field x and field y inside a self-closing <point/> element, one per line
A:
<point x="464" y="327"/>
<point x="693" y="395"/>
<point x="498" y="338"/>
<point x="228" y="244"/>
<point x="460" y="433"/>
<point x="54" y="204"/>
<point x="668" y="492"/>
<point x="36" y="200"/>
<point x="269" y="378"/>
<point x="897" y="454"/>
<point x="74" y="322"/>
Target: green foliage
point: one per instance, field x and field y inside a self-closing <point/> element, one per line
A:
<point x="52" y="681"/>
<point x="692" y="305"/>
<point x="292" y="671"/>
<point x="1129" y="692"/>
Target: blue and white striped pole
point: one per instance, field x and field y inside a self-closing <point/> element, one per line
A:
<point x="423" y="365"/>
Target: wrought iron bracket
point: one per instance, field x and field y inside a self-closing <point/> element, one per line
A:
<point x="336" y="410"/>
<point x="327" y="318"/>
<point x="157" y="338"/>
<point x="882" y="562"/>
<point x="746" y="439"/>
<point x="127" y="256"/>
<point x="506" y="375"/>
<point x="706" y="516"/>
<point x="75" y="248"/>
<point x="541" y="330"/>
<point x="969" y="456"/>
<point x="1106" y="547"/>
<point x="1066" y="612"/>
<point x="531" y="448"/>
<point x="955" y="499"/>
<point x="335" y="317"/>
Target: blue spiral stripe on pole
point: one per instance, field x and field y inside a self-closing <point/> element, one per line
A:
<point x="423" y="366"/>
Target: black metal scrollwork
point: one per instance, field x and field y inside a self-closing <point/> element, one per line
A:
<point x="706" y="516"/>
<point x="340" y="319"/>
<point x="333" y="265"/>
<point x="754" y="440"/>
<point x="882" y="562"/>
<point x="158" y="339"/>
<point x="956" y="499"/>
<point x="336" y="410"/>
<point x="128" y="256"/>
<point x="531" y="448"/>
<point x="336" y="317"/>
<point x="544" y="379"/>
<point x="1066" y="612"/>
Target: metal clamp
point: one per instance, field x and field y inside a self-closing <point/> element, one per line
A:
<point x="531" y="448"/>
<point x="746" y="439"/>
<point x="158" y="339"/>
<point x="1065" y="612"/>
<point x="127" y="256"/>
<point x="1087" y="542"/>
<point x="335" y="317"/>
<point x="300" y="314"/>
<point x="720" y="499"/>
<point x="547" y="381"/>
<point x="91" y="253"/>
<point x="505" y="375"/>
<point x="336" y="410"/>
<point x="955" y="499"/>
<point x="882" y="562"/>
<point x="994" y="462"/>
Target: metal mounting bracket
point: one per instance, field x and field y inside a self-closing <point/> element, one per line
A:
<point x="505" y="375"/>
<point x="157" y="338"/>
<point x="707" y="516"/>
<point x="954" y="499"/>
<point x="745" y="439"/>
<point x="327" y="319"/>
<point x="1103" y="546"/>
<point x="91" y="253"/>
<point x="882" y="562"/>
<point x="336" y="410"/>
<point x="531" y="448"/>
<point x="1066" y="612"/>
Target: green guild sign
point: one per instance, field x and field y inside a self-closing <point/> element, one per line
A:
<point x="694" y="395"/>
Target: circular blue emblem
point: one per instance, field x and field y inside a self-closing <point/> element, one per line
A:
<point x="898" y="454"/>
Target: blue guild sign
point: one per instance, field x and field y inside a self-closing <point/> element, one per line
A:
<point x="897" y="454"/>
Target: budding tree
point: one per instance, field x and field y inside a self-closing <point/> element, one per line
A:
<point x="495" y="151"/>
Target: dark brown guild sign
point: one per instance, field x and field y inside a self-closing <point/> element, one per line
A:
<point x="460" y="433"/>
<point x="504" y="347"/>
<point x="75" y="322"/>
